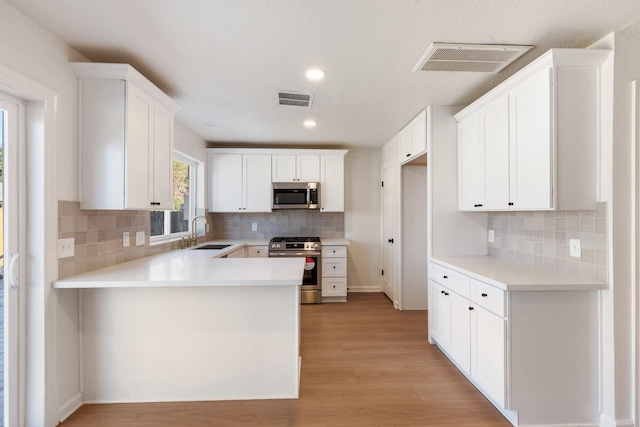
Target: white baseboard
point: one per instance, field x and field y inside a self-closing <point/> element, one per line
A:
<point x="606" y="421"/>
<point x="69" y="407"/>
<point x="365" y="289"/>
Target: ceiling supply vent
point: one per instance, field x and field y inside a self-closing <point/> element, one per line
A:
<point x="481" y="58"/>
<point x="296" y="99"/>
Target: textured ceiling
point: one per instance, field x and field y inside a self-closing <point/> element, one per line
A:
<point x="223" y="60"/>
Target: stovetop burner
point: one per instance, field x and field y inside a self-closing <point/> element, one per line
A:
<point x="295" y="239"/>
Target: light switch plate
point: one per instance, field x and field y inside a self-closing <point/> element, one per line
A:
<point x="140" y="238"/>
<point x="574" y="248"/>
<point x="66" y="247"/>
<point x="125" y="239"/>
<point x="491" y="236"/>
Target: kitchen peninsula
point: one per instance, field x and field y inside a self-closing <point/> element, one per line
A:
<point x="190" y="325"/>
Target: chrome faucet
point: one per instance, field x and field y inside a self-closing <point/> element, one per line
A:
<point x="192" y="240"/>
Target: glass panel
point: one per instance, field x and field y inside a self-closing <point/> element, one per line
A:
<point x="176" y="220"/>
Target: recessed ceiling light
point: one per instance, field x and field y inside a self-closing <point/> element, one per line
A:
<point x="310" y="123"/>
<point x="315" y="74"/>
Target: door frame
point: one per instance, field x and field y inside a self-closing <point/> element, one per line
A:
<point x="38" y="404"/>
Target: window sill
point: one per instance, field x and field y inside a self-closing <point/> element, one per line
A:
<point x="160" y="240"/>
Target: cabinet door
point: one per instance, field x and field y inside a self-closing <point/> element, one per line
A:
<point x="283" y="168"/>
<point x="460" y="342"/>
<point x="225" y="186"/>
<point x="419" y="135"/>
<point x="494" y="132"/>
<point x="441" y="315"/>
<point x="139" y="146"/>
<point x="531" y="143"/>
<point x="332" y="183"/>
<point x="257" y="183"/>
<point x="162" y="172"/>
<point x="405" y="146"/>
<point x="488" y="353"/>
<point x="308" y="168"/>
<point x="470" y="165"/>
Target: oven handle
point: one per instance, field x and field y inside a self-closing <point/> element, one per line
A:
<point x="295" y="254"/>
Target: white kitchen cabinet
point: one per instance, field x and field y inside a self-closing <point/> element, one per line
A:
<point x="413" y="139"/>
<point x="483" y="144"/>
<point x="295" y="168"/>
<point x="552" y="132"/>
<point x="239" y="182"/>
<point x="518" y="347"/>
<point x="258" y="251"/>
<point x="332" y="183"/>
<point x="334" y="273"/>
<point x="126" y="137"/>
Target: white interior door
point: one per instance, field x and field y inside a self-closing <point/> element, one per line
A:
<point x="388" y="235"/>
<point x="12" y="292"/>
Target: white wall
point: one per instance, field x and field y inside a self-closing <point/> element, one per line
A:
<point x="362" y="218"/>
<point x="617" y="177"/>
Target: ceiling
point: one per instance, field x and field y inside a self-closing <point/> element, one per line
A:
<point x="222" y="61"/>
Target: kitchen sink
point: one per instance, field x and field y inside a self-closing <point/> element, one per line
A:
<point x="218" y="247"/>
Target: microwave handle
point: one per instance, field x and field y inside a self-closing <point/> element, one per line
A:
<point x="308" y="196"/>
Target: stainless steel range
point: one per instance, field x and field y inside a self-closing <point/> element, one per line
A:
<point x="309" y="248"/>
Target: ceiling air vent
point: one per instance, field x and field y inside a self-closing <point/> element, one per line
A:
<point x="296" y="99"/>
<point x="482" y="58"/>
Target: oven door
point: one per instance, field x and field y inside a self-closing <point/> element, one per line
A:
<point x="312" y="278"/>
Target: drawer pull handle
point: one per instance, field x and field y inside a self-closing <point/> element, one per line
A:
<point x="445" y="277"/>
<point x="470" y="308"/>
<point x="485" y="295"/>
<point x="478" y="205"/>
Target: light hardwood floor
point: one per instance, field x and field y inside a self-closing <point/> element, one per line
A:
<point x="363" y="364"/>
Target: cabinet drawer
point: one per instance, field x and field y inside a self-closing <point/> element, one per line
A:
<point x="258" y="251"/>
<point x="488" y="296"/>
<point x="334" y="267"/>
<point x="334" y="287"/>
<point x="453" y="280"/>
<point x="334" y="251"/>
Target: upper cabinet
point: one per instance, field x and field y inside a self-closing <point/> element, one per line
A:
<point x="239" y="182"/>
<point x="332" y="182"/>
<point x="531" y="142"/>
<point x="413" y="139"/>
<point x="295" y="168"/>
<point x="126" y="133"/>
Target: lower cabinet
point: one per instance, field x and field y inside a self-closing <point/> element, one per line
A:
<point x="334" y="273"/>
<point x="472" y="337"/>
<point x="258" y="251"/>
<point x="238" y="253"/>
<point x="533" y="353"/>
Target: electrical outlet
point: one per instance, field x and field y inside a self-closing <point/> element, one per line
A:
<point x="491" y="236"/>
<point x="66" y="247"/>
<point x="254" y="226"/>
<point x="574" y="248"/>
<point x="140" y="238"/>
<point x="125" y="239"/>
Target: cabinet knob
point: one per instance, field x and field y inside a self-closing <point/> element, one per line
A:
<point x="408" y="155"/>
<point x="470" y="308"/>
<point x="445" y="277"/>
<point x="334" y="266"/>
<point x="485" y="295"/>
<point x="334" y="286"/>
<point x="446" y="294"/>
<point x="479" y="205"/>
<point x="510" y="203"/>
<point x="390" y="240"/>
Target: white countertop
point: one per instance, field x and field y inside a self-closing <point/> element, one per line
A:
<point x="190" y="267"/>
<point x="334" y="242"/>
<point x="516" y="277"/>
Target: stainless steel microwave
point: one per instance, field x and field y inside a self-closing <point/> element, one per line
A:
<point x="296" y="195"/>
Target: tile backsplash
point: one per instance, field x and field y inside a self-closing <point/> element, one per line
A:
<point x="279" y="223"/>
<point x="541" y="239"/>
<point x="98" y="237"/>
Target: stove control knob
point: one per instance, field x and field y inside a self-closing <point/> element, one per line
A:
<point x="315" y="246"/>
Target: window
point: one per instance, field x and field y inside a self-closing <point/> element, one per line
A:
<point x="175" y="222"/>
